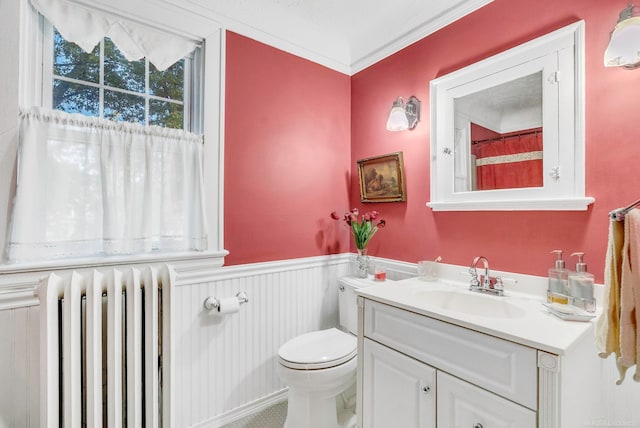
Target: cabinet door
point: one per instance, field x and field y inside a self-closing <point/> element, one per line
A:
<point x="398" y="390"/>
<point x="461" y="404"/>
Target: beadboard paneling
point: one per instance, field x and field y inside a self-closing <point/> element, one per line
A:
<point x="19" y="368"/>
<point x="226" y="367"/>
<point x="225" y="362"/>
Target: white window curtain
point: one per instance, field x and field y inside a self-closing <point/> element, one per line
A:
<point x="92" y="187"/>
<point x="86" y="27"/>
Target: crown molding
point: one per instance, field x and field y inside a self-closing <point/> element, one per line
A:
<point x="345" y="64"/>
<point x="341" y="65"/>
<point x="417" y="33"/>
<point x="193" y="20"/>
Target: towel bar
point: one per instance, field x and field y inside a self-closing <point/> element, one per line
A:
<point x="618" y="215"/>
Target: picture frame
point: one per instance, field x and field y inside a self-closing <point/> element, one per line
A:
<point x="382" y="178"/>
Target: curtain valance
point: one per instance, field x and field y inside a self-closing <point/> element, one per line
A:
<point x="86" y="27"/>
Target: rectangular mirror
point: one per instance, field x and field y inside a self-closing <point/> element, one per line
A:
<point x="508" y="132"/>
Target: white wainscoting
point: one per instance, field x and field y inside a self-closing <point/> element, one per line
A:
<point x="226" y="367"/>
<point x="19" y="367"/>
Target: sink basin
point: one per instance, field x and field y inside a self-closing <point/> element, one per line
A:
<point x="470" y="303"/>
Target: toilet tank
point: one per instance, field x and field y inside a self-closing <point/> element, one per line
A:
<point x="347" y="304"/>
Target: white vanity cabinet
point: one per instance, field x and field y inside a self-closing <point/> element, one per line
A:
<point x="418" y="371"/>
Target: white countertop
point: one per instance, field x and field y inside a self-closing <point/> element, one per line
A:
<point x="533" y="326"/>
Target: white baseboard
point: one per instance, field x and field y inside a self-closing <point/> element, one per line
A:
<point x="245" y="410"/>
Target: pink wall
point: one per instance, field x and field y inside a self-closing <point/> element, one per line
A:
<point x="512" y="241"/>
<point x="287" y="137"/>
<point x="283" y="178"/>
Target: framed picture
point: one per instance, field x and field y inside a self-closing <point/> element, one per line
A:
<point x="382" y="178"/>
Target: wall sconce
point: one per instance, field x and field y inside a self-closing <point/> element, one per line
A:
<point x="624" y="45"/>
<point x="404" y="116"/>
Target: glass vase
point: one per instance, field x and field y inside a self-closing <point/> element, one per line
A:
<point x="360" y="265"/>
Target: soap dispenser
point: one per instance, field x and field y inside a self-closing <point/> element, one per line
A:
<point x="581" y="286"/>
<point x="558" y="281"/>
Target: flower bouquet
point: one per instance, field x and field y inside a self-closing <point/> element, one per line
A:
<point x="362" y="228"/>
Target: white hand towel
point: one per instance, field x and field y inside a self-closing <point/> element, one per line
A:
<point x="630" y="295"/>
<point x="608" y="324"/>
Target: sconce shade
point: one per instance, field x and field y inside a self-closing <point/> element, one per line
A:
<point x="397" y="117"/>
<point x="624" y="45"/>
<point x="404" y="117"/>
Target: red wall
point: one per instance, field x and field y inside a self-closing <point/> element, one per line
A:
<point x="512" y="241"/>
<point x="287" y="137"/>
<point x="291" y="124"/>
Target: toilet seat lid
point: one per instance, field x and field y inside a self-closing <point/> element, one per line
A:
<point x="318" y="350"/>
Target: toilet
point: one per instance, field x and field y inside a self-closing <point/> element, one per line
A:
<point x="320" y="368"/>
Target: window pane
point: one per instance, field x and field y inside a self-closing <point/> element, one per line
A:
<point x="69" y="60"/>
<point x="164" y="113"/>
<point x="123" y="107"/>
<point x="169" y="83"/>
<point x="120" y="73"/>
<point x="75" y="98"/>
<point x="108" y="69"/>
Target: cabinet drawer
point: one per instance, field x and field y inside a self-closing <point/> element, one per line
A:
<point x="503" y="367"/>
<point x="461" y="404"/>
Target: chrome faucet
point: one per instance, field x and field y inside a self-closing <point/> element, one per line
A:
<point x="486" y="283"/>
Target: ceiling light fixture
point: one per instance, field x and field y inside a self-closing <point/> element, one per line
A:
<point x="403" y="116"/>
<point x="624" y="44"/>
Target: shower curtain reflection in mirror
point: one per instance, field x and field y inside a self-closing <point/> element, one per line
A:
<point x="486" y="160"/>
<point x="507" y="161"/>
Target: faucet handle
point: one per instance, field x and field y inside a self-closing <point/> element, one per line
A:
<point x="498" y="285"/>
<point x="474" y="277"/>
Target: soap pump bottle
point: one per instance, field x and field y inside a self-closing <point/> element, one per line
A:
<point x="581" y="286"/>
<point x="558" y="281"/>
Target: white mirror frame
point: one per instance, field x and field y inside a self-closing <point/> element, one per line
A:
<point x="561" y="58"/>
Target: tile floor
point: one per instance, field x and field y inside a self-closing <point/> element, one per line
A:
<point x="271" y="417"/>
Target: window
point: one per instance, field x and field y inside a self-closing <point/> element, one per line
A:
<point x="106" y="165"/>
<point x="166" y="39"/>
<point x="105" y="84"/>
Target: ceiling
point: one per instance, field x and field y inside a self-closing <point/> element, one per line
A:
<point x="507" y="107"/>
<point x="346" y="35"/>
<point x="522" y="94"/>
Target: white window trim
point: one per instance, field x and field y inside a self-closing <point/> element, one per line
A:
<point x="212" y="99"/>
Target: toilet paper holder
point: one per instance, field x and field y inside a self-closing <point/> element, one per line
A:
<point x="211" y="302"/>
